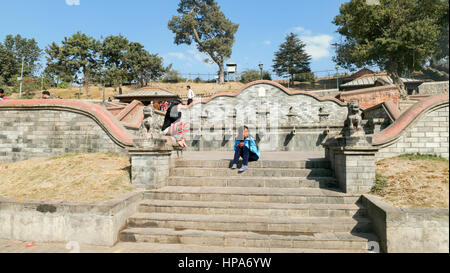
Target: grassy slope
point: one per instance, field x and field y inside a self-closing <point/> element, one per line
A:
<point x="414" y="181"/>
<point x="73" y="178"/>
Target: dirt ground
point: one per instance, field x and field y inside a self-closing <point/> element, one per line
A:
<point x="72" y="178"/>
<point x="414" y="181"/>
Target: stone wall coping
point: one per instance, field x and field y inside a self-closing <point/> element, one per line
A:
<point x="275" y="84"/>
<point x="100" y="115"/>
<point x="355" y="149"/>
<point x="376" y="201"/>
<point x="149" y="150"/>
<point x="390" y="107"/>
<point x="395" y="130"/>
<point x="128" y="109"/>
<point x="393" y="212"/>
<point x="103" y="208"/>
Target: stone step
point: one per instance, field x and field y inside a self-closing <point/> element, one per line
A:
<point x="305" y="164"/>
<point x="241" y="194"/>
<point x="267" y="172"/>
<point x="142" y="247"/>
<point x="279" y="225"/>
<point x="252" y="209"/>
<point x="339" y="241"/>
<point x="264" y="182"/>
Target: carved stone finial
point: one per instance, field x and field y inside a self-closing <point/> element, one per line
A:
<point x="150" y="130"/>
<point x="354" y="133"/>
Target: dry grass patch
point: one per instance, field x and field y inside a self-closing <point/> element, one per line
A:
<point x="72" y="178"/>
<point x="413" y="181"/>
<point x="96" y="92"/>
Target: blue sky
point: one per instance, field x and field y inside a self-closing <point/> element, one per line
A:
<point x="263" y="27"/>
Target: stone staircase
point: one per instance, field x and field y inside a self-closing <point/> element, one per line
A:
<point x="287" y="205"/>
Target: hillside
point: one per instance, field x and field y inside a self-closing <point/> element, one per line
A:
<point x="200" y="89"/>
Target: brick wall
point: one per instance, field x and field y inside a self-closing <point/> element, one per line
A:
<point x="371" y="96"/>
<point x="26" y="134"/>
<point x="429" y="135"/>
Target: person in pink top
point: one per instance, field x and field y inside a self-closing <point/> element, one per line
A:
<point x="2" y="95"/>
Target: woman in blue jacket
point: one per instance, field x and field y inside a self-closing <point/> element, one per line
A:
<point x="245" y="147"/>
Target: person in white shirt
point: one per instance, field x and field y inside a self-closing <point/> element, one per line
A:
<point x="191" y="95"/>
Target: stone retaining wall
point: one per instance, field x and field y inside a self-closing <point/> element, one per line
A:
<point x="87" y="223"/>
<point x="408" y="230"/>
<point x="52" y="128"/>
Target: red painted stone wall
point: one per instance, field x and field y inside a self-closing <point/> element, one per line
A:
<point x="372" y="96"/>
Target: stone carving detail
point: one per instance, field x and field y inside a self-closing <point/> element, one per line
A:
<point x="150" y="130"/>
<point x="323" y="114"/>
<point x="354" y="132"/>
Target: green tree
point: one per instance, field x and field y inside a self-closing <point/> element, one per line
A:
<point x="395" y="35"/>
<point x="27" y="49"/>
<point x="172" y="76"/>
<point x="143" y="66"/>
<point x="114" y="51"/>
<point x="203" y="22"/>
<point x="80" y="54"/>
<point x="8" y="66"/>
<point x="439" y="61"/>
<point x="57" y="69"/>
<point x="291" y="58"/>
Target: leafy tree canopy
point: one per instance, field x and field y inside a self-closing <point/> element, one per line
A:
<point x="27" y="49"/>
<point x="202" y="22"/>
<point x="291" y="58"/>
<point x="395" y="35"/>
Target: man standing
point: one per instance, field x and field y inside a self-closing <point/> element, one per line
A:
<point x="191" y="95"/>
<point x="2" y="95"/>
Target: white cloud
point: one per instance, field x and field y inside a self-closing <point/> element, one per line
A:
<point x="190" y="57"/>
<point x="178" y="55"/>
<point x="318" y="46"/>
<point x="73" y="2"/>
<point x="301" y="30"/>
<point x="198" y="56"/>
<point x="267" y="42"/>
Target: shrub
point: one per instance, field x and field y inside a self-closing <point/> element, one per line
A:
<point x="173" y="76"/>
<point x="254" y="75"/>
<point x="305" y="77"/>
<point x="63" y="85"/>
<point x="380" y="183"/>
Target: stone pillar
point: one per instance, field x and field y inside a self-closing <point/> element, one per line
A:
<point x="150" y="167"/>
<point x="354" y="167"/>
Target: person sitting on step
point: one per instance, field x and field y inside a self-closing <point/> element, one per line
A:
<point x="245" y="147"/>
